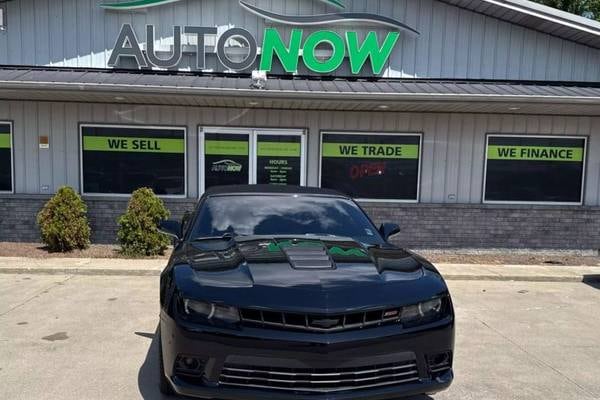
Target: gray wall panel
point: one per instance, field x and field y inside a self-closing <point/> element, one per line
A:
<point x="452" y="154"/>
<point x="454" y="43"/>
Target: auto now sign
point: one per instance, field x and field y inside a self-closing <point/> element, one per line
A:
<point x="370" y="50"/>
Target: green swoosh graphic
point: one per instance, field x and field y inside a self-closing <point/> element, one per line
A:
<point x="136" y="4"/>
<point x="336" y="3"/>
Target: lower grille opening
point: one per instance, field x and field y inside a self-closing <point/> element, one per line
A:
<point x="439" y="363"/>
<point x="319" y="380"/>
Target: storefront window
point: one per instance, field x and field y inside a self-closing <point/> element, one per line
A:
<point x="534" y="169"/>
<point x="246" y="156"/>
<point x="6" y="180"/>
<point x="121" y="159"/>
<point x="372" y="165"/>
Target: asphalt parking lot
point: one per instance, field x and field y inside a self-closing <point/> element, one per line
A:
<point x="92" y="337"/>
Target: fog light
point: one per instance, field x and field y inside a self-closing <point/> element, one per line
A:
<point x="190" y="366"/>
<point x="439" y="362"/>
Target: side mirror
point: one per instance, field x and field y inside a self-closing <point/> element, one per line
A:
<point x="171" y="228"/>
<point x="388" y="230"/>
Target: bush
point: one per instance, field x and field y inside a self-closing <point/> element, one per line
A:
<point x="63" y="222"/>
<point x="138" y="227"/>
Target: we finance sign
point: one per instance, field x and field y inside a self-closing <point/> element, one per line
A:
<point x="369" y="50"/>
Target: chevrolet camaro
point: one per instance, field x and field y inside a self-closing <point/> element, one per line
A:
<point x="280" y="292"/>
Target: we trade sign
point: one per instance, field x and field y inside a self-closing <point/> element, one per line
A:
<point x="378" y="151"/>
<point x="274" y="46"/>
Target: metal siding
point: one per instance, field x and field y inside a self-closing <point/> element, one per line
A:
<point x="592" y="189"/>
<point x="453" y="159"/>
<point x="450" y="42"/>
<point x="501" y="55"/>
<point x="452" y="154"/>
<point x="430" y="142"/>
<point x="454" y="43"/>
<point x="58" y="144"/>
<point x="46" y="181"/>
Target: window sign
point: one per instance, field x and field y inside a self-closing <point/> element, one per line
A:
<point x="279" y="159"/>
<point x="372" y="165"/>
<point x="121" y="159"/>
<point x="534" y="169"/>
<point x="6" y="175"/>
<point x="226" y="159"/>
<point x="240" y="156"/>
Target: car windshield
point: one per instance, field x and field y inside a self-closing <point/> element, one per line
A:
<point x="283" y="215"/>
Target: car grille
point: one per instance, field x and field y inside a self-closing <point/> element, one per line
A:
<point x="320" y="323"/>
<point x="319" y="380"/>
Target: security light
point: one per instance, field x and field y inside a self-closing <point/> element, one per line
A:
<point x="259" y="79"/>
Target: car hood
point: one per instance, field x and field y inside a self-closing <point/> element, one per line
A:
<point x="299" y="274"/>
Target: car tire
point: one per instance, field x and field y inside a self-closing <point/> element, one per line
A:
<point x="164" y="385"/>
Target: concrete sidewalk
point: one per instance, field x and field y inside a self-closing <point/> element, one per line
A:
<point x="115" y="267"/>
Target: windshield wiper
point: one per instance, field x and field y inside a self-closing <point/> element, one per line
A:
<point x="225" y="236"/>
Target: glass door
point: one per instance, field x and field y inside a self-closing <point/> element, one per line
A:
<point x="280" y="158"/>
<point x="225" y="158"/>
<point x="234" y="156"/>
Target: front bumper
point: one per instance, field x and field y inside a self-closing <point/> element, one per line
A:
<point x="298" y="350"/>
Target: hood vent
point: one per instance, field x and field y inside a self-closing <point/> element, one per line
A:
<point x="308" y="255"/>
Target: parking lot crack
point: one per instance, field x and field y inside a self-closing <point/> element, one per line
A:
<point x="536" y="359"/>
<point x="44" y="290"/>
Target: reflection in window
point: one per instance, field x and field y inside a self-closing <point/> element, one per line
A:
<point x="283" y="215"/>
<point x="534" y="169"/>
<point x="121" y="159"/>
<point x="371" y="166"/>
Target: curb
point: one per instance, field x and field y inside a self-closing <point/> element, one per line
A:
<point x="510" y="278"/>
<point x="82" y="271"/>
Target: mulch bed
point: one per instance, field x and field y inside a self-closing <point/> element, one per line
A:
<point x="534" y="258"/>
<point x="38" y="250"/>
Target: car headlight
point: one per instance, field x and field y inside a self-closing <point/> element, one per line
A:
<point x="210" y="311"/>
<point x="424" y="312"/>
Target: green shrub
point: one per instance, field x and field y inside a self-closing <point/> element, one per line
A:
<point x="63" y="222"/>
<point x="138" y="227"/>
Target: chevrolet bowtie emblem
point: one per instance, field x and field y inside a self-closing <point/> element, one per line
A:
<point x="326" y="323"/>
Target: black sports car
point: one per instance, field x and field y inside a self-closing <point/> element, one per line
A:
<point x="278" y="292"/>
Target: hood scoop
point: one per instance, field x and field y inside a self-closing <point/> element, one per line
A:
<point x="307" y="255"/>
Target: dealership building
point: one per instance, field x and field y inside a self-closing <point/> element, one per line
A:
<point x="471" y="123"/>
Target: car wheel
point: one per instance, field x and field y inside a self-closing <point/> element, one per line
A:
<point x="164" y="384"/>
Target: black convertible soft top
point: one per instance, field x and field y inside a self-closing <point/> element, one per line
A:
<point x="270" y="189"/>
